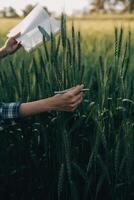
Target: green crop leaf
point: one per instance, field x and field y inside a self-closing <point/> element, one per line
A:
<point x="44" y="33"/>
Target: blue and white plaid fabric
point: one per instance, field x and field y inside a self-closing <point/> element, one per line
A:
<point x="9" y="110"/>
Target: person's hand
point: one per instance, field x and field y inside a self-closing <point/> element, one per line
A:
<point x="11" y="45"/>
<point x="70" y="100"/>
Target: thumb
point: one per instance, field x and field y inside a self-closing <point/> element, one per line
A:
<point x="17" y="35"/>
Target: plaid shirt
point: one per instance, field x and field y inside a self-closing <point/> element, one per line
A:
<point x="9" y="110"/>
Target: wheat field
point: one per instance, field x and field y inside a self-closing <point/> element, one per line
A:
<point x="88" y="154"/>
<point x="88" y="25"/>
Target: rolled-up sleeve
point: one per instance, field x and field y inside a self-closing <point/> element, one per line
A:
<point x="9" y="110"/>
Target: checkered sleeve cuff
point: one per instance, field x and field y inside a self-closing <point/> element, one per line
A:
<point x="9" y="110"/>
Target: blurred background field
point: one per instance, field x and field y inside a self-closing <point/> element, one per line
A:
<point x="95" y="29"/>
<point x="102" y="23"/>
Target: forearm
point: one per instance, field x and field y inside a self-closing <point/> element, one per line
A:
<point x="64" y="102"/>
<point x="37" y="107"/>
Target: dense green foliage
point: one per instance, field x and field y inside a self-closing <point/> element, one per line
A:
<point x="88" y="154"/>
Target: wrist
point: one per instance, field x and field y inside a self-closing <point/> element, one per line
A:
<point x="50" y="104"/>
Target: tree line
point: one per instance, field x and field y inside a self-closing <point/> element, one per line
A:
<point x="94" y="6"/>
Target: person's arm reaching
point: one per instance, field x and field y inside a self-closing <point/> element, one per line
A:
<point x="63" y="102"/>
<point x="11" y="45"/>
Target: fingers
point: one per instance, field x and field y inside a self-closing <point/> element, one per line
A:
<point x="79" y="99"/>
<point x="76" y="101"/>
<point x="76" y="98"/>
<point x="16" y="46"/>
<point x="70" y="100"/>
<point x="17" y="35"/>
<point x="76" y="90"/>
<point x="13" y="48"/>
